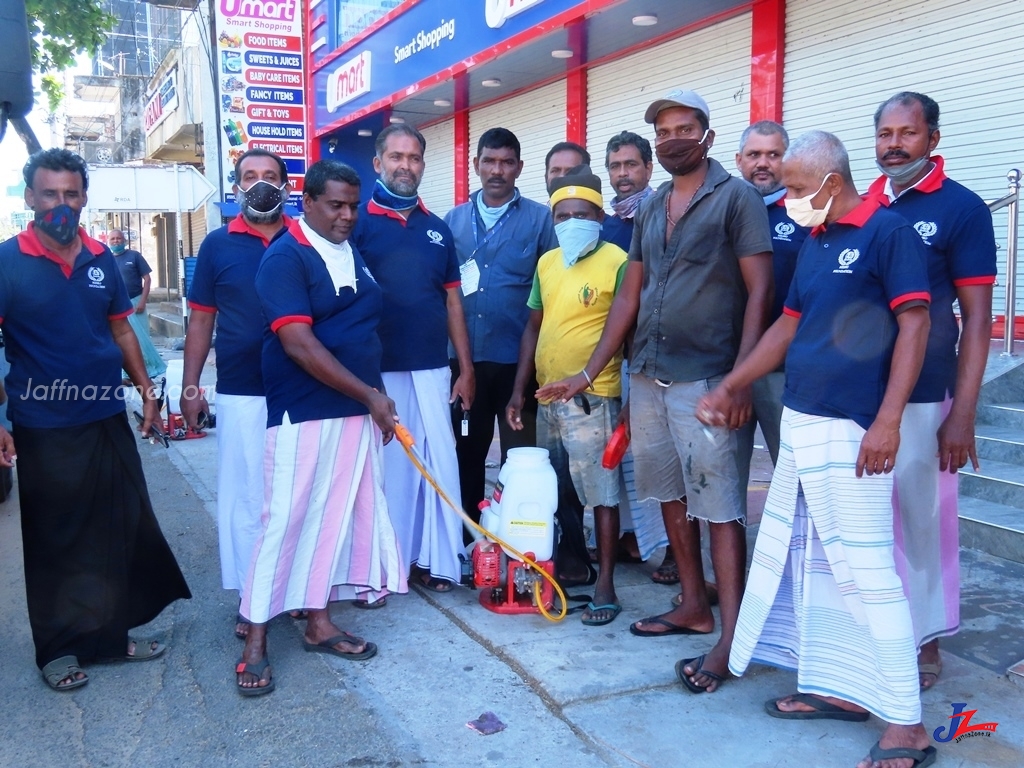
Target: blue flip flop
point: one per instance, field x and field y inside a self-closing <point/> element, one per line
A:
<point x="615" y="608"/>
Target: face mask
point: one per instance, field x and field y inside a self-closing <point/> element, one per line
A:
<point x="901" y="175"/>
<point x="680" y="156"/>
<point x="577" y="237"/>
<point x="803" y="213"/>
<point x="261" y="203"/>
<point x="117" y="250"/>
<point x="60" y="223"/>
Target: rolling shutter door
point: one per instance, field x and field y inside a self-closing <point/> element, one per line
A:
<point x="537" y="118"/>
<point x="438" y="186"/>
<point x="844" y="57"/>
<point x="714" y="61"/>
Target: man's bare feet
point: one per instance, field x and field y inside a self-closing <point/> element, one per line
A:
<point x="909" y="736"/>
<point x="929" y="664"/>
<point x="679" y="618"/>
<point x="320" y="629"/>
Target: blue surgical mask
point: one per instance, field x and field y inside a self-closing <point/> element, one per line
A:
<point x="118" y="249"/>
<point x="577" y="237"/>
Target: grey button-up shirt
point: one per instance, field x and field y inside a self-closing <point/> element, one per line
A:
<point x="506" y="256"/>
<point x="693" y="297"/>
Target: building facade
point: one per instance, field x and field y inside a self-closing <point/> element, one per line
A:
<point x="555" y="70"/>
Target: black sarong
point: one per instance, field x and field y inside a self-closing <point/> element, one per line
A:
<point x="96" y="562"/>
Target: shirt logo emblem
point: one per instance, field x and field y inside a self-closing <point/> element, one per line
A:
<point x="368" y="273"/>
<point x="588" y="296"/>
<point x="783" y="230"/>
<point x="436" y="238"/>
<point x="846" y="258"/>
<point x="926" y="229"/>
<point x="96" y="276"/>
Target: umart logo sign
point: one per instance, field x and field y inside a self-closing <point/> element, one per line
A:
<point x="348" y="81"/>
<point x="277" y="10"/>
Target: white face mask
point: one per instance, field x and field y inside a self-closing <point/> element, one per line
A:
<point x="576" y="238"/>
<point x="803" y="213"/>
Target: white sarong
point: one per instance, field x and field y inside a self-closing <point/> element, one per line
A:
<point x="326" y="535"/>
<point x="429" y="532"/>
<point x="926" y="524"/>
<point x="241" y="429"/>
<point x="823" y="596"/>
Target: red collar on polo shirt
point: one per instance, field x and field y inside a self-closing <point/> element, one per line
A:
<point x="858" y="217"/>
<point x="376" y="209"/>
<point x="241" y="226"/>
<point x="932" y="182"/>
<point x="296" y="231"/>
<point x="30" y="245"/>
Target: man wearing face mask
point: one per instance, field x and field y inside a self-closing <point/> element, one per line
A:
<point x="573" y="289"/>
<point x="630" y="163"/>
<point x="698" y="286"/>
<point x="223" y="292"/>
<point x="96" y="563"/>
<point x="823" y="595"/>
<point x="411" y="253"/>
<point x="759" y="161"/>
<point x="135" y="273"/>
<point x="956" y="228"/>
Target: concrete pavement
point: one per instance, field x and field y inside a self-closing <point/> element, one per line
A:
<point x="570" y="695"/>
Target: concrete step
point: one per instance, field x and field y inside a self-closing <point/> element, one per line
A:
<point x="996" y="529"/>
<point x="166" y="324"/>
<point x="996" y="481"/>
<point x="1000" y="444"/>
<point x="1007" y="415"/>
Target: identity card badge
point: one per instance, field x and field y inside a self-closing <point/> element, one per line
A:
<point x="470" y="274"/>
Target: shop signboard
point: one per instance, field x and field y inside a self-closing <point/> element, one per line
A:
<point x="261" y="93"/>
<point x="430" y="37"/>
<point x="162" y="102"/>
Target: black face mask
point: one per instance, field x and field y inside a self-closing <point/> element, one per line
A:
<point x="261" y="202"/>
<point x="680" y="156"/>
<point x="60" y="223"/>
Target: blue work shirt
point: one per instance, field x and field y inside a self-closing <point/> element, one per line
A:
<point x="506" y="257"/>
<point x="618" y="231"/>
<point x="787" y="237"/>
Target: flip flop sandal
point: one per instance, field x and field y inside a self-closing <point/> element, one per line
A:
<point x="667" y="573"/>
<point x="434" y="584"/>
<point x="684" y="678"/>
<point x="672" y="629"/>
<point x="823" y="711"/>
<point x="144" y="650"/>
<point x="254" y="669"/>
<point x="327" y="646"/>
<point x="615" y="608"/>
<point x="61" y="669"/>
<point x="921" y="757"/>
<point x="368" y="606"/>
<point x="929" y="669"/>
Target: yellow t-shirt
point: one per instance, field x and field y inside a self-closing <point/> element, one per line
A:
<point x="576" y="303"/>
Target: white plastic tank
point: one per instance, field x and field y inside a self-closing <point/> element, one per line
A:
<point x="175" y="373"/>
<point x="524" y="502"/>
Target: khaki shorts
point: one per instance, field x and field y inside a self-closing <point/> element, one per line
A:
<point x="673" y="457"/>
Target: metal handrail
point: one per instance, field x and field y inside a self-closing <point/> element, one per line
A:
<point x="1010" y="201"/>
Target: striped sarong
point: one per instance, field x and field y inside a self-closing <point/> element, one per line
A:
<point x="429" y="532"/>
<point x="326" y="532"/>
<point x="823" y="596"/>
<point x="926" y="525"/>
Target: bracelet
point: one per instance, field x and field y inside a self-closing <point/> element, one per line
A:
<point x="590" y="381"/>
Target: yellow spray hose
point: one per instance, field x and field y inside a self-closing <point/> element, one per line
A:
<point x="406" y="439"/>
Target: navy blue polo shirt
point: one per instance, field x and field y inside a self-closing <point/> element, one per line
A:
<point x="415" y="264"/>
<point x="224" y="283"/>
<point x="956" y="228"/>
<point x="294" y="286"/>
<point x="787" y="238"/>
<point x="618" y="231"/>
<point x="850" y="278"/>
<point x="133" y="268"/>
<point x="65" y="364"/>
